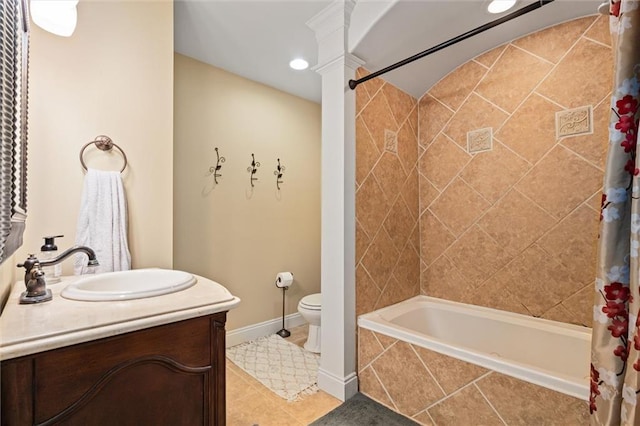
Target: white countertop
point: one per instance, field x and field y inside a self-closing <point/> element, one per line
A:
<point x="29" y="329"/>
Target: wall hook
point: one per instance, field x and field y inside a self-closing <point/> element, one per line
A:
<point x="278" y="173"/>
<point x="218" y="166"/>
<point x="253" y="168"/>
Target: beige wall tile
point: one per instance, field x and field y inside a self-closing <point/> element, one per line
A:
<point x="522" y="403"/>
<point x="595" y="202"/>
<point x="411" y="193"/>
<point x="390" y="175"/>
<point x="571" y="84"/>
<point x="433" y="115"/>
<point x="366" y="151"/>
<point x="399" y="223"/>
<point x="428" y="193"/>
<point x="539" y="281"/>
<point x="467" y="407"/>
<point x="453" y="89"/>
<point x="362" y="98"/>
<point x="593" y="147"/>
<point x="371" y="205"/>
<point x="475" y="113"/>
<point x="530" y="131"/>
<point x="368" y="348"/>
<point x="561" y="314"/>
<point x="424" y="419"/>
<point x="367" y="292"/>
<point x="362" y="242"/>
<point x="496" y="293"/>
<point x="552" y="43"/>
<point x="413" y="376"/>
<point x="378" y="116"/>
<point x="451" y="373"/>
<point x="407" y="147"/>
<point x="401" y="103"/>
<point x="384" y="340"/>
<point x="494" y="172"/>
<point x="407" y="271"/>
<point x="371" y="386"/>
<point x="459" y="206"/>
<point x="560" y="182"/>
<point x="489" y="57"/>
<point x="396" y="291"/>
<point x="380" y="258"/>
<point x="444" y="281"/>
<point x="573" y="242"/>
<point x="442" y="161"/>
<point x="413" y="120"/>
<point x="580" y="305"/>
<point x="506" y="85"/>
<point x="515" y="222"/>
<point x="372" y="85"/>
<point x="434" y="237"/>
<point x="599" y="31"/>
<point x="477" y="256"/>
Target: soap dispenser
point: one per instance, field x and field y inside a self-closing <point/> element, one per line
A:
<point x="48" y="251"/>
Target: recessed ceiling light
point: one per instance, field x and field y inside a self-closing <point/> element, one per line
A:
<point x="299" y="64"/>
<point x="499" y="6"/>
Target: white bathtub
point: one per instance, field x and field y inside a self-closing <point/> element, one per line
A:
<point x="547" y="353"/>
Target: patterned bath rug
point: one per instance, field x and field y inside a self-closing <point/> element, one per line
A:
<point x="285" y="368"/>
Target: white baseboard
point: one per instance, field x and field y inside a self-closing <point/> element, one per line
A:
<point x="342" y="388"/>
<point x="255" y="331"/>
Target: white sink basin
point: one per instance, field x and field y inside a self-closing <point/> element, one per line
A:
<point x="126" y="285"/>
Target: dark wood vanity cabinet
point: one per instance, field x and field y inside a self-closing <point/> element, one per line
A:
<point x="172" y="374"/>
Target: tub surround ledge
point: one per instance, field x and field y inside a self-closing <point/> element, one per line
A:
<point x="30" y="329"/>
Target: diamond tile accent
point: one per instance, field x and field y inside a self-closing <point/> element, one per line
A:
<point x="475" y="113"/>
<point x="390" y="141"/>
<point x="574" y="121"/>
<point x="480" y="140"/>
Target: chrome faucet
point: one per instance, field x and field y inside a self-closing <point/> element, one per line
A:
<point x="34" y="277"/>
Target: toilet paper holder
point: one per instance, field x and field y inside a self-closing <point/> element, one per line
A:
<point x="283" y="281"/>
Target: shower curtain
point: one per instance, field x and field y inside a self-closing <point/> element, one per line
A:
<point x="615" y="348"/>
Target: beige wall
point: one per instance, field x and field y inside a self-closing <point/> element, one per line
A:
<point x="515" y="228"/>
<point x="238" y="237"/>
<point x="114" y="76"/>
<point x="387" y="245"/>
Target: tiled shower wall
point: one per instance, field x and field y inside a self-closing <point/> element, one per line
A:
<point x="387" y="244"/>
<point x="515" y="227"/>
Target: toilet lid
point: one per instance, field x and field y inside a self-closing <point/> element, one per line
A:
<point x="312" y="301"/>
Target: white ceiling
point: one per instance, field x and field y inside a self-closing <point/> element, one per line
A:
<point x="256" y="39"/>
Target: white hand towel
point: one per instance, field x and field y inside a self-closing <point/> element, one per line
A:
<point x="102" y="223"/>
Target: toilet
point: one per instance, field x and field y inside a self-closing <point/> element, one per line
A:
<point x="309" y="307"/>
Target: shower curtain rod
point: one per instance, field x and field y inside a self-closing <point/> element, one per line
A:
<point x="533" y="6"/>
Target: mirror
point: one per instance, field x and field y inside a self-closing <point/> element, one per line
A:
<point x="14" y="52"/>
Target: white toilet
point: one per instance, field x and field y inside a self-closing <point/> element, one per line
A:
<point x="309" y="307"/>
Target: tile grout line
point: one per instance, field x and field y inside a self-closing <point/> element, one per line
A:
<point x="489" y="403"/>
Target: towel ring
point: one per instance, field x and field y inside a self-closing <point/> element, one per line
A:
<point x="103" y="143"/>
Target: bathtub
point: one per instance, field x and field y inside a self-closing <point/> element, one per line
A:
<point x="546" y="353"/>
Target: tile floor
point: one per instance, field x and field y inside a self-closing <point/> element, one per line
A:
<point x="250" y="403"/>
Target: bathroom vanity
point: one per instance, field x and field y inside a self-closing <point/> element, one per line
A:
<point x="158" y="360"/>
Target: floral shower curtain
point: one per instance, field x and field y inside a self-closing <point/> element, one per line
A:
<point x="615" y="348"/>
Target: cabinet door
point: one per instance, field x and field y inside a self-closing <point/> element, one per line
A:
<point x="167" y="375"/>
